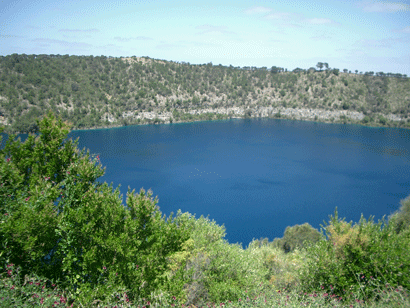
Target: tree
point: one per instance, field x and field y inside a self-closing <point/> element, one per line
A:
<point x="275" y="69"/>
<point x="401" y="218"/>
<point x="319" y="65"/>
<point x="326" y="65"/>
<point x="59" y="222"/>
<point x="248" y="113"/>
<point x="298" y="236"/>
<point x="345" y="106"/>
<point x="382" y="120"/>
<point x="74" y="87"/>
<point x="311" y="70"/>
<point x="298" y="70"/>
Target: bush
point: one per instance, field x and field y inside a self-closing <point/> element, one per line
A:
<point x="401" y="219"/>
<point x="209" y="269"/>
<point x="345" y="106"/>
<point x="356" y="258"/>
<point x="33" y="291"/>
<point x="382" y="120"/>
<point x="283" y="268"/>
<point x="298" y="236"/>
<point x="366" y="119"/>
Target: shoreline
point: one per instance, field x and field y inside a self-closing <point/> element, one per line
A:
<point x="297" y="114"/>
<point x="211" y="114"/>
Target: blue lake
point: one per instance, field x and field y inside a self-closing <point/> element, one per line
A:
<point x="258" y="176"/>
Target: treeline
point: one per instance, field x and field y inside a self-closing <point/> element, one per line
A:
<point x="66" y="239"/>
<point x="105" y="91"/>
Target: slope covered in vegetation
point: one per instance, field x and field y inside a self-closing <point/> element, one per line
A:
<point x="105" y="91"/>
<point x="66" y="240"/>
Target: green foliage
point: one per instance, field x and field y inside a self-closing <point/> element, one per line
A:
<point x="33" y="291"/>
<point x="366" y="120"/>
<point x="345" y="106"/>
<point x="382" y="120"/>
<point x="58" y="221"/>
<point x="282" y="268"/>
<point x="355" y="258"/>
<point x="298" y="236"/>
<point x="200" y="272"/>
<point x="401" y="219"/>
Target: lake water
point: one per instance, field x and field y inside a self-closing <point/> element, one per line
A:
<point x="258" y="176"/>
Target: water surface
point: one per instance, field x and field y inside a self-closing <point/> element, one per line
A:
<point x="257" y="176"/>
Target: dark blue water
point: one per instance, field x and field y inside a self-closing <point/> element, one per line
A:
<point x="258" y="176"/>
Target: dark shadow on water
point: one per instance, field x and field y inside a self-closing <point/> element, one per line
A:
<point x="248" y="186"/>
<point x="271" y="182"/>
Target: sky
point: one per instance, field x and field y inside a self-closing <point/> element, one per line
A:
<point x="346" y="34"/>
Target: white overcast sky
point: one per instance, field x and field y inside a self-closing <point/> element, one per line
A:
<point x="362" y="35"/>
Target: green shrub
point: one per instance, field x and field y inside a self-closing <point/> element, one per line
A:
<point x="401" y="219"/>
<point x="209" y="269"/>
<point x="382" y="120"/>
<point x="366" y="119"/>
<point x="345" y="106"/>
<point x="356" y="258"/>
<point x="297" y="236"/>
<point x="282" y="268"/>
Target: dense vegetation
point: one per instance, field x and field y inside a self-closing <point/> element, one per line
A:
<point x="105" y="91"/>
<point x="67" y="240"/>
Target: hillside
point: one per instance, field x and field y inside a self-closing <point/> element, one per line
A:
<point x="105" y="91"/>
